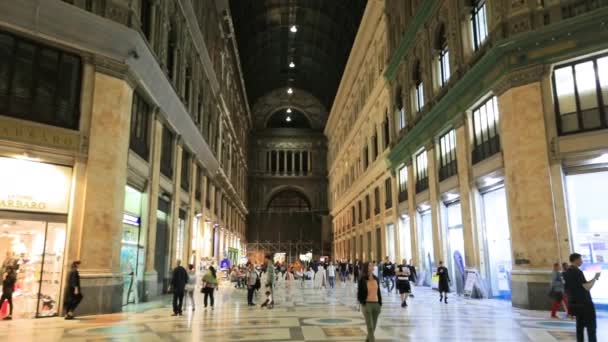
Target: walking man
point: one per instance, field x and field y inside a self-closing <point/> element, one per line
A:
<point x="577" y="288"/>
<point x="178" y="284"/>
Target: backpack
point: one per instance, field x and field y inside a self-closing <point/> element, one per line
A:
<point x="258" y="283"/>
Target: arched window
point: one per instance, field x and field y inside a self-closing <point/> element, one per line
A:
<point x="443" y="56"/>
<point x="289" y="201"/>
<point x="417" y="88"/>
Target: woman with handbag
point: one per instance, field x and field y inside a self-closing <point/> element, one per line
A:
<point x="557" y="290"/>
<point x="209" y="286"/>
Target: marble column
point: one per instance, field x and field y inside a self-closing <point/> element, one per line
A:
<point x="151" y="285"/>
<point x="175" y="204"/>
<point x="467" y="197"/>
<point x="411" y="206"/>
<point x="534" y="239"/>
<point x="103" y="202"/>
<point x="435" y="200"/>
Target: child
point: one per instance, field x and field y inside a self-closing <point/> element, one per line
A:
<point x="268" y="302"/>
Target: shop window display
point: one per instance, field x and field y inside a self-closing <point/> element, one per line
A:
<point x="36" y="249"/>
<point x="589" y="226"/>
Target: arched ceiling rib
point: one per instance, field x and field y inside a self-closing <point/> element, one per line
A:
<point x="319" y="49"/>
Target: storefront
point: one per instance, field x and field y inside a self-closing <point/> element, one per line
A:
<point x="455" y="242"/>
<point x="132" y="256"/>
<point x="390" y="242"/>
<point x="161" y="250"/>
<point x="34" y="203"/>
<point x="497" y="241"/>
<point x="405" y="239"/>
<point x="425" y="235"/>
<point x="589" y="225"/>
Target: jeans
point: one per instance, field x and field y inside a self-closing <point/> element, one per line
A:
<point x="389" y="279"/>
<point x="332" y="282"/>
<point x="208" y="294"/>
<point x="250" y="291"/>
<point x="190" y="294"/>
<point x="178" y="301"/>
<point x="9" y="298"/>
<point x="371" y="311"/>
<point x="585" y="318"/>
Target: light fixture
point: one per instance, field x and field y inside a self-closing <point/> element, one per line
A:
<point x="293" y="29"/>
<point x="289" y="91"/>
<point x="292" y="64"/>
<point x="491" y="181"/>
<point x="288" y="110"/>
<point x="451" y="196"/>
<point x="288" y="118"/>
<point x="601" y="159"/>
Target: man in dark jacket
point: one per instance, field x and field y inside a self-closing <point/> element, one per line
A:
<point x="178" y="285"/>
<point x="579" y="298"/>
<point x="73" y="296"/>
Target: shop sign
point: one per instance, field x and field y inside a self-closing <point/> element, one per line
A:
<point x="30" y="133"/>
<point x="35" y="187"/>
<point x="131" y="219"/>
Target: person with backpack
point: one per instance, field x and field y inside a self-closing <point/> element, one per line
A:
<point x="253" y="283"/>
<point x="9" y="278"/>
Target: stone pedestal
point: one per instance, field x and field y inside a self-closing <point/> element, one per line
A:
<point x="534" y="238"/>
<point x="104" y="184"/>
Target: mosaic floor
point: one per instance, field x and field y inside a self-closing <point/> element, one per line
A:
<point x="305" y="314"/>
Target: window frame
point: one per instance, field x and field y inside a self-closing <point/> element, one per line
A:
<point x="402" y="173"/>
<point x="31" y="111"/>
<point x="478" y="8"/>
<point x="388" y="190"/>
<point x="602" y="103"/>
<point x="422" y="175"/>
<point x="489" y="145"/>
<point x="141" y="120"/>
<point x="448" y="164"/>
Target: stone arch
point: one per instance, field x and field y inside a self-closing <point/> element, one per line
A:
<point x="287" y="188"/>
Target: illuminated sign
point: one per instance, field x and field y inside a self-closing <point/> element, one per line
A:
<point x="32" y="186"/>
<point x="130" y="219"/>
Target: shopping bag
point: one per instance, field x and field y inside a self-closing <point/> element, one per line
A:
<point x="4" y="308"/>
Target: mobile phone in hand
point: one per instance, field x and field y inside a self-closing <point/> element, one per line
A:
<point x="597" y="275"/>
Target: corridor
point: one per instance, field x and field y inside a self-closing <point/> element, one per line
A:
<point x="305" y="314"/>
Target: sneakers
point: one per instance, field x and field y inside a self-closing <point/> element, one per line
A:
<point x="404" y="304"/>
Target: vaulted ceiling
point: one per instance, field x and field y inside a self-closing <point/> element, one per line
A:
<point x="319" y="49"/>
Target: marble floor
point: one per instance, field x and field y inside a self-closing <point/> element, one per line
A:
<point x="306" y="314"/>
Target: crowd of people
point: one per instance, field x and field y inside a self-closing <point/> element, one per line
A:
<point x="568" y="287"/>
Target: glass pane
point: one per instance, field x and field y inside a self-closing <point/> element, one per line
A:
<point x="602" y="70"/>
<point x="69" y="91"/>
<point x="22" y="242"/>
<point x="477" y="126"/>
<point x="484" y="123"/>
<point x="499" y="242"/>
<point x="428" y="256"/>
<point x="21" y="91"/>
<point x="446" y="65"/>
<point x="405" y="242"/>
<point x="52" y="270"/>
<point x="585" y="83"/>
<point x="483" y="24"/>
<point x="47" y="83"/>
<point x="6" y="48"/>
<point x="589" y="226"/>
<point x="564" y="87"/>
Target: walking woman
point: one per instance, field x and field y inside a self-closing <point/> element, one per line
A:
<point x="444" y="282"/>
<point x="73" y="296"/>
<point x="403" y="283"/>
<point x="557" y="291"/>
<point x="209" y="286"/>
<point x="191" y="285"/>
<point x="9" y="278"/>
<point x="368" y="294"/>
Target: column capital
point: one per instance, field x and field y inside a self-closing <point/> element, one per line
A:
<point x="112" y="68"/>
<point x="520" y="77"/>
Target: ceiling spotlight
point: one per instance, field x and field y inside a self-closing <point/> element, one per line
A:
<point x="292" y="65"/>
<point x="288" y="118"/>
<point x="289" y="91"/>
<point x="288" y="110"/>
<point x="293" y="29"/>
